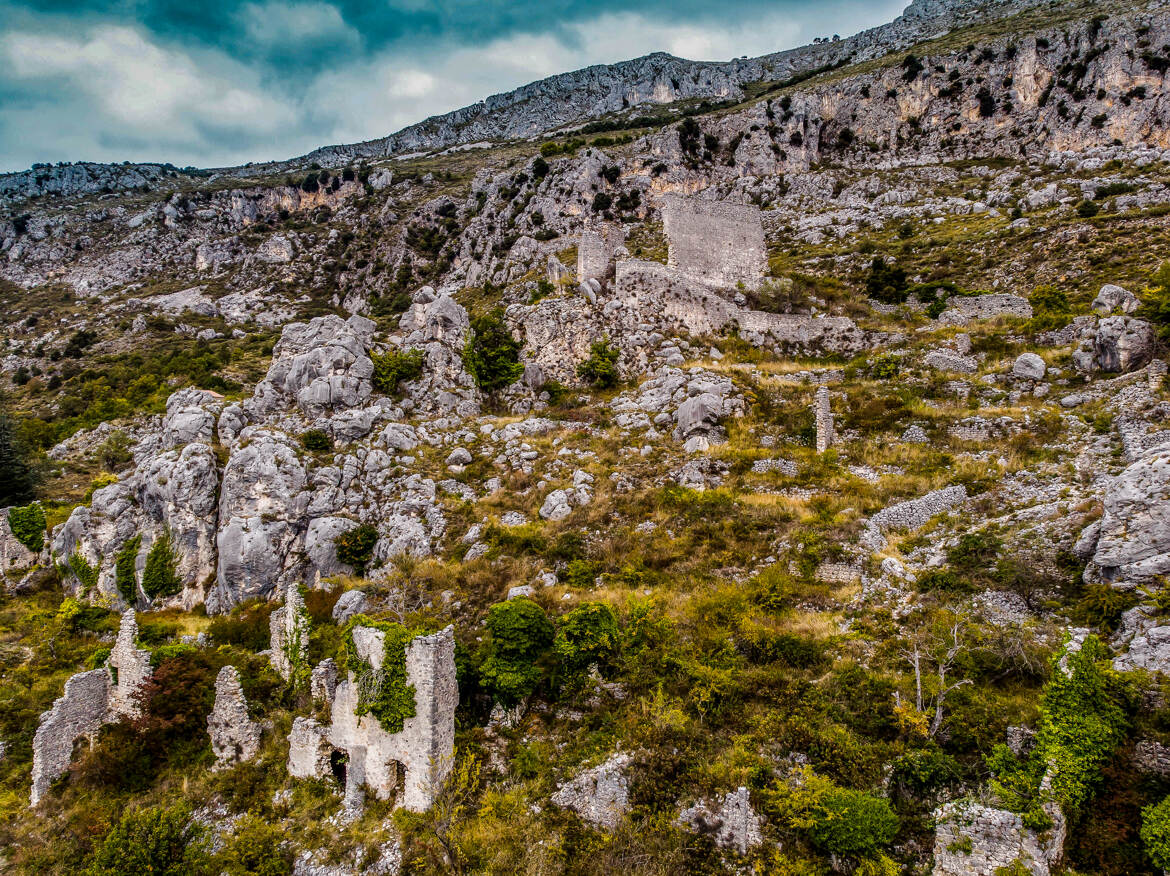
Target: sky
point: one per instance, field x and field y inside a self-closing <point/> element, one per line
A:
<point x="222" y="82"/>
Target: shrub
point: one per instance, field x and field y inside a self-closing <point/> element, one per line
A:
<point x="600" y="369"/>
<point x="848" y="822"/>
<point x="394" y="366"/>
<point x="28" y="525"/>
<point x="886" y="283"/>
<point x="1088" y="209"/>
<point x="159" y="578"/>
<point x="602" y="201"/>
<point x="539" y="168"/>
<point x="125" y="571"/>
<point x="986" y="103"/>
<point x="155" y="840"/>
<point x="115" y="452"/>
<point x="316" y="441"/>
<point x="588" y="635"/>
<point x="246" y="626"/>
<point x="256" y="848"/>
<point x="1156" y="833"/>
<point x="519" y="636"/>
<point x="382" y="692"/>
<point x="1156" y="300"/>
<point x="355" y="547"/>
<point x="885" y="367"/>
<point x="81" y="569"/>
<point x="492" y="355"/>
<point x="1050" y="309"/>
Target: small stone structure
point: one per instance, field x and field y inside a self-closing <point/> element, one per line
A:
<point x="601" y="795"/>
<point x="91" y="699"/>
<point x="13" y="554"/>
<point x="235" y="737"/>
<point x="733" y="825"/>
<point x="323" y="681"/>
<point x="911" y="514"/>
<point x="418" y="757"/>
<point x="288" y="629"/>
<point x="972" y="839"/>
<point x="717" y="243"/>
<point x="824" y="417"/>
<point x="961" y="310"/>
<point x="596" y="250"/>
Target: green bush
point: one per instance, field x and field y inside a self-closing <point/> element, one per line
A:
<point x="848" y="822"/>
<point x="86" y="574"/>
<point x="159" y="578"/>
<point x="492" y="355"/>
<point x="886" y="283"/>
<point x="246" y="626"/>
<point x="256" y="848"/>
<point x="28" y="525"/>
<point x="115" y="452"/>
<point x="1088" y="209"/>
<point x="316" y="441"/>
<point x="355" y="547"/>
<point x="1156" y="833"/>
<point x="1050" y="309"/>
<point x="519" y="636"/>
<point x="1156" y="300"/>
<point x="394" y="366"/>
<point x="382" y="692"/>
<point x="161" y="841"/>
<point x="125" y="571"/>
<point x="18" y="475"/>
<point x="588" y="635"/>
<point x="600" y="369"/>
<point x="885" y="367"/>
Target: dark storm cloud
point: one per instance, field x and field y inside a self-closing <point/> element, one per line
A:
<point x="226" y="81"/>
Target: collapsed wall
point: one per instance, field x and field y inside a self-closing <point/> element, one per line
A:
<point x="91" y="699"/>
<point x="418" y="758"/>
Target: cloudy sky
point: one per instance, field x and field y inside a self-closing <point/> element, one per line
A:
<point x="222" y="82"/>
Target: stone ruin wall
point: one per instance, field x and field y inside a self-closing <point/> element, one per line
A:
<point x="596" y="250"/>
<point x="715" y="242"/>
<point x="91" y="699"/>
<point x="424" y="747"/>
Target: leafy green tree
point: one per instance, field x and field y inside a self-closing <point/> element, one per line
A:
<point x="18" y="476"/>
<point x="588" y="635"/>
<point x="1156" y="300"/>
<point x="394" y="366"/>
<point x="519" y="636"/>
<point x="159" y="578"/>
<point x="886" y="283"/>
<point x="492" y="355"/>
<point x="1156" y="833"/>
<point x="355" y="547"/>
<point x="600" y="369"/>
<point x="160" y="841"/>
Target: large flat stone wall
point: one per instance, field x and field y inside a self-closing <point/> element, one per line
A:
<point x="80" y="711"/>
<point x="721" y="244"/>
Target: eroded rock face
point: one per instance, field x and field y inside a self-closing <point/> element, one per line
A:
<point x="601" y="795"/>
<point x="1122" y="344"/>
<point x="733" y="824"/>
<point x="235" y="738"/>
<point x="1134" y="538"/>
<point x="439" y="326"/>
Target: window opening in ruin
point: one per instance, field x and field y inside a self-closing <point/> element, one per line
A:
<point x="338" y="762"/>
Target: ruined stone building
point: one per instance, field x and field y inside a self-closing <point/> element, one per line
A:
<point x="91" y="699"/>
<point x="714" y="242"/>
<point x="358" y="750"/>
<point x="288" y="628"/>
<point x="235" y="737"/>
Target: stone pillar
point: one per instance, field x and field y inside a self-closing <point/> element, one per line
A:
<point x="288" y="629"/>
<point x="323" y="682"/>
<point x="1156" y="373"/>
<point x="235" y="737"/>
<point x="129" y="668"/>
<point x="824" y="419"/>
<point x="355" y="778"/>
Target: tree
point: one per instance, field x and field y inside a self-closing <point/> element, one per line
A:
<point x="1156" y="833"/>
<point x="161" y="841"/>
<point x="886" y="283"/>
<point x="600" y="369"/>
<point x="395" y="366"/>
<point x="355" y="547"/>
<point x="492" y="355"/>
<point x="941" y="648"/>
<point x="588" y="636"/>
<point x="18" y="477"/>
<point x="519" y="636"/>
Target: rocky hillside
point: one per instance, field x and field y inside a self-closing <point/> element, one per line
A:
<point x="776" y="485"/>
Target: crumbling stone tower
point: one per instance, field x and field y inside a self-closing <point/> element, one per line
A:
<point x="235" y="737"/>
<point x="288" y="629"/>
<point x="418" y="758"/>
<point x="826" y="434"/>
<point x="595" y="252"/>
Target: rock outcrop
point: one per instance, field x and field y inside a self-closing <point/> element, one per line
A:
<point x="600" y="795"/>
<point x="235" y="738"/>
<point x="733" y="824"/>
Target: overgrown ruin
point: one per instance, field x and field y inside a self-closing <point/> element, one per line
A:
<point x="413" y="762"/>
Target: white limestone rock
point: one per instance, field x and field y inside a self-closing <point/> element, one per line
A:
<point x="600" y="795"/>
<point x="1134" y="539"/>
<point x="733" y="824"/>
<point x="235" y="738"/>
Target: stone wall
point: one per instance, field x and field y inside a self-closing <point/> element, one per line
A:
<point x="972" y="839"/>
<point x="824" y="420"/>
<point x="596" y="250"/>
<point x="718" y="243"/>
<point x="80" y="711"/>
<point x="235" y="737"/>
<point x="288" y="629"/>
<point x="91" y="699"/>
<point x="424" y="748"/>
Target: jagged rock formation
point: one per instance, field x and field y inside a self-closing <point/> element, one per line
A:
<point x="235" y="738"/>
<point x="91" y="699"/>
<point x="413" y="762"/>
<point x="600" y="795"/>
<point x="733" y="824"/>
